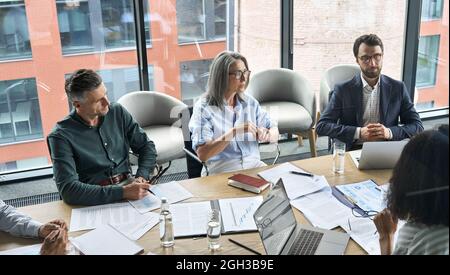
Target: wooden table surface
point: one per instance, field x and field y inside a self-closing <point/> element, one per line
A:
<point x="210" y="188"/>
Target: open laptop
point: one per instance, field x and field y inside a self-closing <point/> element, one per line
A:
<point x="282" y="235"/>
<point x="378" y="155"/>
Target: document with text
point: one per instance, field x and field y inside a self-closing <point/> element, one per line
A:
<point x="91" y="217"/>
<point x="136" y="230"/>
<point x="295" y="185"/>
<point x="106" y="240"/>
<point x="189" y="219"/>
<point x="322" y="209"/>
<point x="173" y="191"/>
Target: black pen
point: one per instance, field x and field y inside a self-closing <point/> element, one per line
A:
<point x="245" y="247"/>
<point x="302" y="174"/>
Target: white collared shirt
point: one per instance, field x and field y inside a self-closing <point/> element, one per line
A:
<point x="371" y="105"/>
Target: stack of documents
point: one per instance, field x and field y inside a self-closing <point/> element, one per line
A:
<point x="310" y="195"/>
<point x="133" y="218"/>
<point x="322" y="209"/>
<point x="295" y="185"/>
<point x="105" y="240"/>
<point x="364" y="232"/>
<point x="173" y="191"/>
<point x="367" y="195"/>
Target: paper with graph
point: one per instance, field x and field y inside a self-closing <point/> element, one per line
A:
<point x="237" y="213"/>
<point x="189" y="219"/>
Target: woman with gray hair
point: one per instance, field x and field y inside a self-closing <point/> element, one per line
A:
<point x="226" y="123"/>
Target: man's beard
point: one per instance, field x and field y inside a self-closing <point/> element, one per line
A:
<point x="372" y="74"/>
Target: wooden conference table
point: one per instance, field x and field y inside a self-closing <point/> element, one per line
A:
<point x="209" y="188"/>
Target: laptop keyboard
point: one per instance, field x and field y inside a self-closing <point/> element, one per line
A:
<point x="306" y="242"/>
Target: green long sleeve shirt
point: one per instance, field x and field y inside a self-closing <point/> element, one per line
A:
<point x="84" y="155"/>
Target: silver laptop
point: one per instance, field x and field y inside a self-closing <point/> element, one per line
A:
<point x="282" y="235"/>
<point x="378" y="155"/>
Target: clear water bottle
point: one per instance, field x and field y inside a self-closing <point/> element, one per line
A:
<point x="165" y="225"/>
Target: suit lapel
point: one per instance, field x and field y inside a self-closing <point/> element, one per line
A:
<point x="357" y="99"/>
<point x="385" y="98"/>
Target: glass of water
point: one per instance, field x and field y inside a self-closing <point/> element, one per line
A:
<point x="338" y="157"/>
<point x="214" y="229"/>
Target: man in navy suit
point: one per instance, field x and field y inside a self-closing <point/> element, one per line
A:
<point x="368" y="107"/>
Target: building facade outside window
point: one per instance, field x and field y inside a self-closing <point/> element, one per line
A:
<point x="201" y="20"/>
<point x="97" y="34"/>
<point x="14" y="35"/>
<point x="96" y="25"/>
<point x="194" y="77"/>
<point x="432" y="9"/>
<point x="432" y="58"/>
<point x="427" y="61"/>
<point x="23" y="164"/>
<point x="20" y="118"/>
<point x="121" y="81"/>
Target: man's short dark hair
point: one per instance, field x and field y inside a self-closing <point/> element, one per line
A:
<point x="368" y="39"/>
<point x="419" y="184"/>
<point x="81" y="81"/>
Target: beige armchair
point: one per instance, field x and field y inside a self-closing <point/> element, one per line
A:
<point x="158" y="115"/>
<point x="289" y="98"/>
<point x="332" y="76"/>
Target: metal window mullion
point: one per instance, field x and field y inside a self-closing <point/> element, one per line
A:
<point x="411" y="45"/>
<point x="287" y="34"/>
<point x="230" y="25"/>
<point x="141" y="43"/>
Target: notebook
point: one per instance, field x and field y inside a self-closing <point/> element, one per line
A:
<point x="189" y="219"/>
<point x="248" y="183"/>
<point x="105" y="240"/>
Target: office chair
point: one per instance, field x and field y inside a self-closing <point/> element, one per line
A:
<point x="332" y="76"/>
<point x="193" y="163"/>
<point x="292" y="97"/>
<point x="157" y="114"/>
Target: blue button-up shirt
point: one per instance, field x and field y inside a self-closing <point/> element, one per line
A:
<point x="16" y="223"/>
<point x="209" y="123"/>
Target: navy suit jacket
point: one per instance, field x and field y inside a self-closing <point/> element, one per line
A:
<point x="344" y="112"/>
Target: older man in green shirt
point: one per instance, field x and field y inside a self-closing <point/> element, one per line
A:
<point x="89" y="148"/>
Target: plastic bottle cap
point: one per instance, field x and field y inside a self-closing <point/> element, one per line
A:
<point x="163" y="200"/>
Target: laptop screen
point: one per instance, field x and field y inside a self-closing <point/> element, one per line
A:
<point x="275" y="220"/>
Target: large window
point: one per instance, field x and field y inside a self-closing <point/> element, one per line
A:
<point x="427" y="61"/>
<point x="194" y="77"/>
<point x="20" y="117"/>
<point x="32" y="97"/>
<point x="201" y="20"/>
<point x="325" y="31"/>
<point x="432" y="90"/>
<point x="96" y="25"/>
<point x="121" y="81"/>
<point x="257" y="33"/>
<point x="100" y="35"/>
<point x="14" y="36"/>
<point x="432" y="9"/>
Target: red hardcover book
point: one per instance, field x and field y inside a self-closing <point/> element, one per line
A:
<point x="252" y="184"/>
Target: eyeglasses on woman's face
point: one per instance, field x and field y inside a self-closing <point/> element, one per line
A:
<point x="238" y="74"/>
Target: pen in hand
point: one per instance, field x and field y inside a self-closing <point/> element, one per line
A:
<point x="302" y="174"/>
